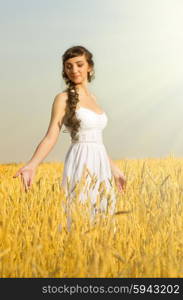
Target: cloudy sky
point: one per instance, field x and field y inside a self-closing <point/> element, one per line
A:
<point x="138" y="53"/>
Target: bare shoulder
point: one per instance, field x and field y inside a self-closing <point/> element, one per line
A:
<point x="59" y="108"/>
<point x="94" y="97"/>
<point x="60" y="99"/>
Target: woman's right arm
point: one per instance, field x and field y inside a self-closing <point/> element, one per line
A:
<point x="51" y="136"/>
<point x="28" y="171"/>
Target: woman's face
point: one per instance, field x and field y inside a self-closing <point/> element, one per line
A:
<point x="77" y="68"/>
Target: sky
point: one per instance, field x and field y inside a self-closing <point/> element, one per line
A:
<point x="137" y="48"/>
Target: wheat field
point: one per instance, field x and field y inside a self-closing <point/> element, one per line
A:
<point x="143" y="238"/>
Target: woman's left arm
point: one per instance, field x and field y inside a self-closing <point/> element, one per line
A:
<point x="119" y="177"/>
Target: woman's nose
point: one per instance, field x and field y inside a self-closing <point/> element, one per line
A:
<point x="75" y="69"/>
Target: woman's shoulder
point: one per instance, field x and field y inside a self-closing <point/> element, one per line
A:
<point x="61" y="97"/>
<point x="94" y="97"/>
<point x="60" y="101"/>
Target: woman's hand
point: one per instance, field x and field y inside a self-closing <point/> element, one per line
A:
<point x="119" y="178"/>
<point x="27" y="174"/>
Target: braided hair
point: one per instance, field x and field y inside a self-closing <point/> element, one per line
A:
<point x="70" y="119"/>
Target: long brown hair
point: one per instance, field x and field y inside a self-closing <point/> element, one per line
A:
<point x="70" y="119"/>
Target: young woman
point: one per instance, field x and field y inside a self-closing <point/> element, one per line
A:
<point x="77" y="109"/>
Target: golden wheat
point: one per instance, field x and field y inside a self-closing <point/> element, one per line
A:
<point x="143" y="238"/>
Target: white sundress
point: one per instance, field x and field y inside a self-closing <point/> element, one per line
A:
<point x="89" y="155"/>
